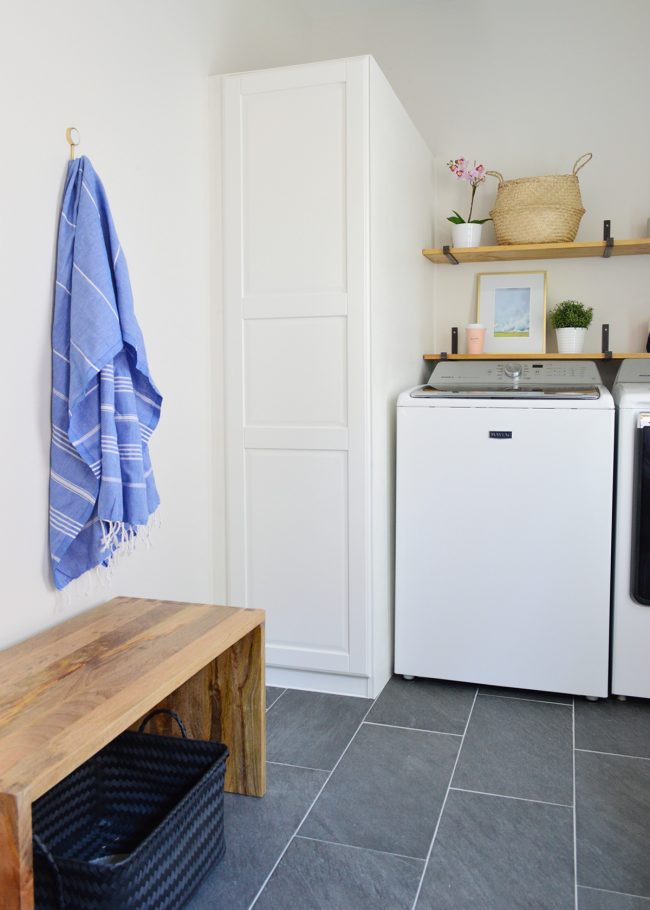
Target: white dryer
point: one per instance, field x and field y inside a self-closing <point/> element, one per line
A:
<point x="631" y="587"/>
<point x="504" y="518"/>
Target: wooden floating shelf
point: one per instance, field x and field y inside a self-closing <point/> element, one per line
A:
<point x="513" y="252"/>
<point x="593" y="356"/>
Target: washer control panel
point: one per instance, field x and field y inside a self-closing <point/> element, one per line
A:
<point x="511" y="372"/>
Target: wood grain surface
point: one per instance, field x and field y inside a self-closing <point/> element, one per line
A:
<point x="70" y="690"/>
<point x="16" y="871"/>
<point x="507" y="252"/>
<point x="225" y="701"/>
<point x="616" y="355"/>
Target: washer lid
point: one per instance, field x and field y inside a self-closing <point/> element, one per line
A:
<point x="518" y="379"/>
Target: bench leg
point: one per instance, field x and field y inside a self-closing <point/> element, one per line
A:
<point x="16" y="875"/>
<point x="242" y="700"/>
<point x="226" y="702"/>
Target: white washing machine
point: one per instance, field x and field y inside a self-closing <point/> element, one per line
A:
<point x="631" y="588"/>
<point x="504" y="521"/>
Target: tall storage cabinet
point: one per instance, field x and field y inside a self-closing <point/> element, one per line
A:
<point x="327" y="199"/>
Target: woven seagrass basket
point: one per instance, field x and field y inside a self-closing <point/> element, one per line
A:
<point x="539" y="209"/>
<point x="537" y="224"/>
<point x="137" y="827"/>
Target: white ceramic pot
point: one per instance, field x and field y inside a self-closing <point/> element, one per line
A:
<point x="466" y="234"/>
<point x="570" y="341"/>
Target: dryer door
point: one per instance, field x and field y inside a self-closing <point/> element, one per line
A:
<point x="641" y="574"/>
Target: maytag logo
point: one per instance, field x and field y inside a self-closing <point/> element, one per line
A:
<point x="500" y="434"/>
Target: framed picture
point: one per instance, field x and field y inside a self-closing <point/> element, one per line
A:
<point x="512" y="307"/>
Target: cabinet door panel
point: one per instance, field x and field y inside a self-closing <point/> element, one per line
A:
<point x="295" y="194"/>
<point x="293" y="143"/>
<point x="297" y="553"/>
<point x="296" y="372"/>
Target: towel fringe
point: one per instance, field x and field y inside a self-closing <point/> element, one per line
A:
<point x="120" y="539"/>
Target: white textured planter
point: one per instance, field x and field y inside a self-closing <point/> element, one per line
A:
<point x="570" y="341"/>
<point x="466" y="234"/>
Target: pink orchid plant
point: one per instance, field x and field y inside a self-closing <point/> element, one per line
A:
<point x="474" y="175"/>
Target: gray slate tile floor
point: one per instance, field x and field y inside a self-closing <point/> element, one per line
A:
<point x="518" y="748"/>
<point x="440" y="796"/>
<point x="591" y="899"/>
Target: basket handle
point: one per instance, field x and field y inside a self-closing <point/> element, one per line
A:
<point x="49" y="859"/>
<point x="585" y="159"/>
<point x="171" y="714"/>
<point x="498" y="175"/>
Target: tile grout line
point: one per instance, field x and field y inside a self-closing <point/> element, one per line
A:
<point x="373" y="723"/>
<point x="640" y="897"/>
<point x="537" y="701"/>
<point x="575" y="829"/>
<point x="615" y="754"/>
<point x="444" y="803"/>
<point x="286" y="764"/>
<point x="522" y="799"/>
<point x="333" y="843"/>
<point x="311" y="806"/>
<point x="275" y="700"/>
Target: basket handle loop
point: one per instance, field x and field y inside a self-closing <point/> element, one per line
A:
<point x="498" y="175"/>
<point x="585" y="159"/>
<point x="49" y="859"/>
<point x="171" y="714"/>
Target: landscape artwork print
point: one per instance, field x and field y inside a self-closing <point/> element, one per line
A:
<point x="512" y="312"/>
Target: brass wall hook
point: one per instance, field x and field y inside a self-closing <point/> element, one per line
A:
<point x="73" y="139"/>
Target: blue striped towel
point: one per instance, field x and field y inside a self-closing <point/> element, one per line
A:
<point x="105" y="405"/>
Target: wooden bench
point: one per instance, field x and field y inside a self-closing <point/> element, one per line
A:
<point x="67" y="692"/>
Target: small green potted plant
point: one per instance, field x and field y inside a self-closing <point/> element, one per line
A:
<point x="570" y="319"/>
<point x="467" y="231"/>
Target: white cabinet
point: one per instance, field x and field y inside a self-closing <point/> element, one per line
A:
<point x="327" y="201"/>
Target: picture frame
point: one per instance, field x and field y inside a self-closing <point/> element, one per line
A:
<point x="512" y="307"/>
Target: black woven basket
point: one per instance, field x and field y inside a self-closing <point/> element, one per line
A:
<point x="136" y="827"/>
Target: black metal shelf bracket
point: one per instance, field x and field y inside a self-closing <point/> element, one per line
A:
<point x="450" y="256"/>
<point x="605" y="341"/>
<point x="609" y="240"/>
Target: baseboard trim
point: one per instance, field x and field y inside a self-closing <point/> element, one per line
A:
<point x="334" y="683"/>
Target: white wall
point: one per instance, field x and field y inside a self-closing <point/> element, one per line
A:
<point x="524" y="87"/>
<point x="132" y="77"/>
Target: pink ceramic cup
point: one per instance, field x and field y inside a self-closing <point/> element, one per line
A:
<point x="475" y="334"/>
